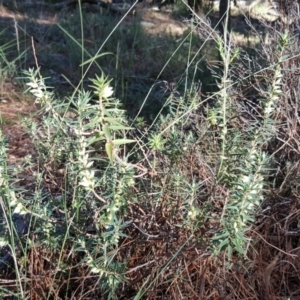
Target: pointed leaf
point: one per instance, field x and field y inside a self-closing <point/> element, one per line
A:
<point x="120" y="142"/>
<point x="220" y="236"/>
<point x="106" y="131"/>
<point x="109" y="150"/>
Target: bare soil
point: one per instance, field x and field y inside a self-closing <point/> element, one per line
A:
<point x="14" y="106"/>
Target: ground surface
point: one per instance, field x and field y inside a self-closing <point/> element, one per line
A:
<point x="14" y="106"/>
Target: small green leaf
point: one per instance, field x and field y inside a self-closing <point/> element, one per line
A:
<point x="223" y="244"/>
<point x="120" y="142"/>
<point x="109" y="150"/>
<point x="112" y="121"/>
<point x="106" y="131"/>
<point x="229" y="252"/>
<point x="91" y="60"/>
<point x="221" y="236"/>
<point x="238" y="243"/>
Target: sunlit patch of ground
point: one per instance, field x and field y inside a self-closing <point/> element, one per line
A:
<point x="14" y="106"/>
<point x="43" y="18"/>
<point x="157" y="23"/>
